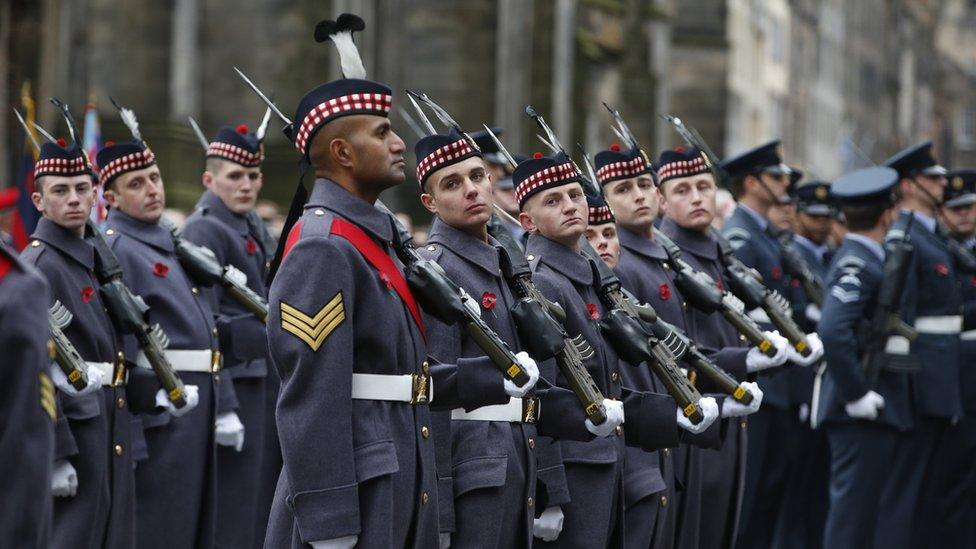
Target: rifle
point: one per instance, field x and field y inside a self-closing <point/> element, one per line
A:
<point x="886" y="320"/>
<point x="795" y="266"/>
<point x="542" y="334"/>
<point x="965" y="261"/>
<point x="202" y="265"/>
<point x="128" y="312"/>
<point x="747" y="285"/>
<point x="66" y="355"/>
<point x="703" y="294"/>
<point x="444" y="300"/>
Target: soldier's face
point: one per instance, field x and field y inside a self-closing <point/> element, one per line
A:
<point x="961" y="219"/>
<point x="377" y="153"/>
<point x="139" y="194"/>
<point x="460" y="194"/>
<point x="934" y="184"/>
<point x="783" y="216"/>
<point x="66" y="201"/>
<point x="634" y="201"/>
<point x="814" y="227"/>
<point x="559" y="214"/>
<point x="506" y="199"/>
<point x="690" y="201"/>
<point x="604" y="240"/>
<point x="235" y="185"/>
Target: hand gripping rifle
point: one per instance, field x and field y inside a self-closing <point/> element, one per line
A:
<point x="127" y="310"/>
<point x="795" y="266"/>
<point x="704" y="294"/>
<point x="67" y="357"/>
<point x="625" y="324"/>
<point x="886" y="320"/>
<point x="539" y="321"/>
<point x="203" y="267"/>
<point x="446" y="301"/>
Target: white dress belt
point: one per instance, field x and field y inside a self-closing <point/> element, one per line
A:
<point x="968" y="335"/>
<point x="943" y="325"/>
<point x="759" y="315"/>
<point x="412" y="388"/>
<point x="108" y="371"/>
<point x="200" y="360"/>
<point x="897" y="345"/>
<point x="518" y="410"/>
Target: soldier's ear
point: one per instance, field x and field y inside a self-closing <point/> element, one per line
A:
<point x="341" y="152"/>
<point x="527" y="223"/>
<point x="429" y="202"/>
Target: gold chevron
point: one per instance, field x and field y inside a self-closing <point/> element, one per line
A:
<point x="47" y="396"/>
<point x="313" y="330"/>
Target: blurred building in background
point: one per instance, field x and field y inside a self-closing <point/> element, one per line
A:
<point x="842" y="83"/>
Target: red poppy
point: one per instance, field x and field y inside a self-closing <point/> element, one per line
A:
<point x="941" y="269"/>
<point x="795" y="283"/>
<point x="972" y="281"/>
<point x="160" y="269"/>
<point x="777" y="273"/>
<point x="252" y="246"/>
<point x="488" y="300"/>
<point x="592" y="311"/>
<point x="86" y="293"/>
<point x="718" y="284"/>
<point x="664" y="291"/>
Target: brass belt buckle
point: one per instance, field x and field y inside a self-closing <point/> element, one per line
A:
<point x="420" y="393"/>
<point x="530" y="410"/>
<point x="216" y="361"/>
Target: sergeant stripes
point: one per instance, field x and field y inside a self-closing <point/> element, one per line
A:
<point x="313" y="330"/>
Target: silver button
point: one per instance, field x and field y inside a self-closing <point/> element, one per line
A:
<point x="431" y="248"/>
<point x="530" y="257"/>
<point x="110" y="232"/>
<point x="320" y="212"/>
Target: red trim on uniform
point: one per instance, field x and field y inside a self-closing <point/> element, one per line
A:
<point x="293" y="235"/>
<point x="375" y="256"/>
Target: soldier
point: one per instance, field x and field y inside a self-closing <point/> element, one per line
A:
<point x="953" y="486"/>
<point x="27" y="404"/>
<point x="180" y="446"/>
<point x="933" y="288"/>
<point x="225" y="222"/>
<point x="349" y="341"/>
<point x="688" y="189"/>
<point x="494" y="448"/>
<point x="759" y="181"/>
<point x="555" y="212"/>
<point x="863" y="420"/>
<point x="93" y="472"/>
<point x="645" y="270"/>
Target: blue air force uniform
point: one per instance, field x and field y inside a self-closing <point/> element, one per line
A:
<point x="27" y="404"/>
<point x="861" y="450"/>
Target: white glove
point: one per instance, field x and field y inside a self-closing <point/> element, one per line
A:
<point x="346" y="542"/>
<point x="64" y="479"/>
<point x="61" y="381"/>
<point x="709" y="409"/>
<point x="757" y="361"/>
<point x="816" y="351"/>
<point x="526" y="362"/>
<point x="470" y="303"/>
<point x="866" y="407"/>
<point x="615" y="417"/>
<point x="190" y="392"/>
<point x="549" y="524"/>
<point x="732" y="408"/>
<point x="804" y="413"/>
<point x="812" y="312"/>
<point x="229" y="431"/>
<point x="445" y="540"/>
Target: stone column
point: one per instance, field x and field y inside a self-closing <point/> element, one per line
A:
<point x="184" y="82"/>
<point x="563" y="56"/>
<point x="513" y="69"/>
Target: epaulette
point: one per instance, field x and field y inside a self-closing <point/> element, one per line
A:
<point x="203" y="210"/>
<point x="737" y="233"/>
<point x="533" y="261"/>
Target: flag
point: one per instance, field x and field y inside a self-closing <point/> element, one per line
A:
<point x="24" y="217"/>
<point x="91" y="141"/>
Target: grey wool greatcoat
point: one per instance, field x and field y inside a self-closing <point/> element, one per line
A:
<point x="180" y="450"/>
<point x="27" y="402"/>
<point x="645" y="271"/>
<point x="723" y="470"/>
<point x="355" y="467"/>
<point x="491" y="470"/>
<point x="586" y="478"/>
<point x="245" y="479"/>
<point x="95" y="432"/>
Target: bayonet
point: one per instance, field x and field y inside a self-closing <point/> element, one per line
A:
<point x="263" y="97"/>
<point x="423" y="116"/>
<point x="199" y="133"/>
<point x="30" y="134"/>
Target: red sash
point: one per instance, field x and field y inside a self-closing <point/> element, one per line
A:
<point x="382" y="262"/>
